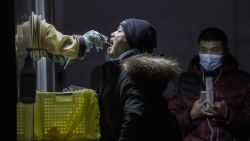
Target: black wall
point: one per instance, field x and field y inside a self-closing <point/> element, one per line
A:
<point x="178" y="23"/>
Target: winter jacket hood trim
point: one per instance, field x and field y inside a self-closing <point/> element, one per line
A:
<point x="151" y="67"/>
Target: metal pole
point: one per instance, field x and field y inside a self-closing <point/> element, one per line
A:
<point x="41" y="64"/>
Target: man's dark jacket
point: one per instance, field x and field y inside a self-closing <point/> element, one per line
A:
<point x="231" y="85"/>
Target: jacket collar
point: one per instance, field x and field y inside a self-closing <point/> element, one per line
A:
<point x="125" y="55"/>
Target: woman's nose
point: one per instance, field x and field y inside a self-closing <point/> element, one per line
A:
<point x="112" y="34"/>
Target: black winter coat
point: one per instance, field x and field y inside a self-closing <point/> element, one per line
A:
<point x="131" y="99"/>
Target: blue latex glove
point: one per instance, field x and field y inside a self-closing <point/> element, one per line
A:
<point x="90" y="39"/>
<point x="93" y="38"/>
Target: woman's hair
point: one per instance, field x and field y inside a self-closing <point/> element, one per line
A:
<point x="140" y="34"/>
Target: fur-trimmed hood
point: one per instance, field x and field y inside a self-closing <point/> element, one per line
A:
<point x="151" y="67"/>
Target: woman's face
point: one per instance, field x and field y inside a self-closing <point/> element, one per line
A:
<point x="118" y="42"/>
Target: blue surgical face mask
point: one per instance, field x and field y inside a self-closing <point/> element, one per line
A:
<point x="210" y="62"/>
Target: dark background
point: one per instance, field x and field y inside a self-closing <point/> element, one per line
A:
<point x="178" y="23"/>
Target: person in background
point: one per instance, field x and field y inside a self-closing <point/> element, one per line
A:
<point x="131" y="98"/>
<point x="227" y="118"/>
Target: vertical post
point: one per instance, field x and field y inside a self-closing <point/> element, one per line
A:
<point x="41" y="64"/>
<point x="49" y="5"/>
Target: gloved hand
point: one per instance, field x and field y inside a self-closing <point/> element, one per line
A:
<point x="94" y="38"/>
<point x="90" y="39"/>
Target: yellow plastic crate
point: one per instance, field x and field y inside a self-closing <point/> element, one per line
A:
<point x="25" y="121"/>
<point x="73" y="116"/>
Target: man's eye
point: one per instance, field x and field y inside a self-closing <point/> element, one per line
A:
<point x="203" y="50"/>
<point x="215" y="51"/>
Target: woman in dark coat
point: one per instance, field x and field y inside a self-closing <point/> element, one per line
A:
<point x="131" y="91"/>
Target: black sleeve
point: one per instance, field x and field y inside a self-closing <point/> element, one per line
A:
<point x="134" y="107"/>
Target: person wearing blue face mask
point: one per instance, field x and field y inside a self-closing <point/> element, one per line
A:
<point x="228" y="116"/>
<point x="210" y="62"/>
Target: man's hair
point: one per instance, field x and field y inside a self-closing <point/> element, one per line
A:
<point x="214" y="34"/>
